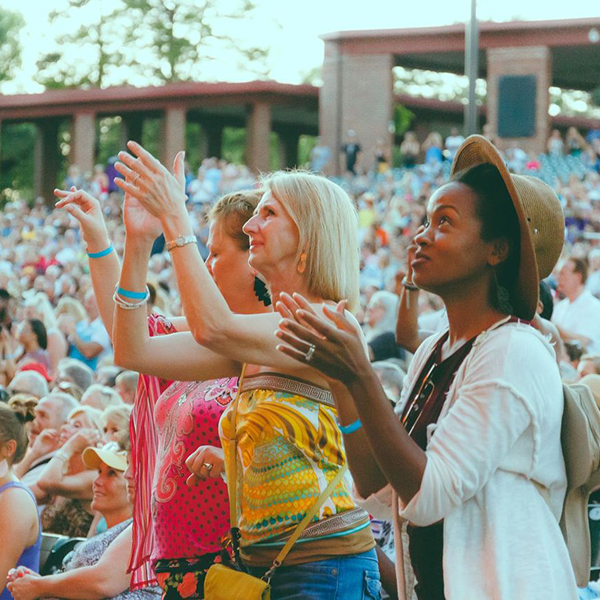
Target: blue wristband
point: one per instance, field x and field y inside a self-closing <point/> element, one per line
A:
<point x="101" y="253"/>
<point x="346" y="430"/>
<point x="132" y="295"/>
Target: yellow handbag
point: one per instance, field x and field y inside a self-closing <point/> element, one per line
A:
<point x="226" y="583"/>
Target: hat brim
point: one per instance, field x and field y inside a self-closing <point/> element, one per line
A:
<point x="477" y="150"/>
<point x="92" y="457"/>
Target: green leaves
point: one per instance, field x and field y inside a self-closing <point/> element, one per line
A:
<point x="10" y="47"/>
<point x="149" y="42"/>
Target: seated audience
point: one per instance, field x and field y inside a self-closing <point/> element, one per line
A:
<point x="126" y="385"/>
<point x="28" y="382"/>
<point x="98" y="567"/>
<point x="65" y="482"/>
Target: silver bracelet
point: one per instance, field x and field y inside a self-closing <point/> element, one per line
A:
<point x="128" y="305"/>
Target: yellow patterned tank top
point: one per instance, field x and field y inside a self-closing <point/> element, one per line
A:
<point x="289" y="449"/>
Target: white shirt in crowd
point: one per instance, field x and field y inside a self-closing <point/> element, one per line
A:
<point x="496" y="441"/>
<point x="582" y="316"/>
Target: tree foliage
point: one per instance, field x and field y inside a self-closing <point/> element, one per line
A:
<point x="148" y="42"/>
<point x="86" y="55"/>
<point x="10" y="46"/>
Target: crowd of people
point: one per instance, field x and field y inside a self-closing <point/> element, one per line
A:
<point x="184" y="355"/>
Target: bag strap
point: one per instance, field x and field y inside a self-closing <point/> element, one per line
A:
<point x="307" y="519"/>
<point x="232" y="490"/>
<point x="232" y="458"/>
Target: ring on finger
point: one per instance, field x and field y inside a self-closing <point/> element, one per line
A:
<point x="309" y="353"/>
<point x="137" y="176"/>
<point x="208" y="466"/>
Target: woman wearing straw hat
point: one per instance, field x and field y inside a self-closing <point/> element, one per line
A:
<point x="474" y="464"/>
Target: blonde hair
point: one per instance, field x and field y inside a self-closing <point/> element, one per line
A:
<point x="44" y="309"/>
<point x="102" y="396"/>
<point x="328" y="232"/>
<point x="72" y="307"/>
<point x="119" y="415"/>
<point x="92" y="417"/>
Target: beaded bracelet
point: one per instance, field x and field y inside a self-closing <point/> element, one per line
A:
<point x="101" y="253"/>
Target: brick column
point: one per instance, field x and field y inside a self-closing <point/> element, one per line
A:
<point x="83" y="141"/>
<point x="288" y="148"/>
<point x="357" y="94"/>
<point x="258" y="134"/>
<point x="535" y="60"/>
<point x="173" y="134"/>
<point x="46" y="160"/>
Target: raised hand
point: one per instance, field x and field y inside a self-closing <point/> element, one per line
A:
<point x="88" y="211"/>
<point x="138" y="221"/>
<point x="331" y="344"/>
<point x="47" y="441"/>
<point x="161" y="193"/>
<point x="205" y="462"/>
<point x="81" y="440"/>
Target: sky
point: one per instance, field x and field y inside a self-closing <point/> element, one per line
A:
<point x="295" y="45"/>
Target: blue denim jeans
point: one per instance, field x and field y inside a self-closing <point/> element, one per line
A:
<point x="354" y="577"/>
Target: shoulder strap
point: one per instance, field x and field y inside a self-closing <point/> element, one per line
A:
<point x="232" y="455"/>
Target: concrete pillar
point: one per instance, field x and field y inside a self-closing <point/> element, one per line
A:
<point x="46" y="160"/>
<point x="288" y="148"/>
<point x="258" y="127"/>
<point x="132" y="125"/>
<point x="357" y="94"/>
<point x="174" y="134"/>
<point x="535" y="60"/>
<point x="83" y="141"/>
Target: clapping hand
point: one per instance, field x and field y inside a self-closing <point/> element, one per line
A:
<point x="331" y="343"/>
<point x="88" y="211"/>
<point x="160" y="192"/>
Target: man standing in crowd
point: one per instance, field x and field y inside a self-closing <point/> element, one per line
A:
<point x="351" y="150"/>
<point x="577" y="317"/>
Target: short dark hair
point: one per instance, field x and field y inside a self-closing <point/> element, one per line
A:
<point x="498" y="217"/>
<point x="39" y="330"/>
<point x="233" y="210"/>
<point x="546" y="300"/>
<point x="580" y="266"/>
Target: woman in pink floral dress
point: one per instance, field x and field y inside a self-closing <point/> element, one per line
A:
<point x="179" y="528"/>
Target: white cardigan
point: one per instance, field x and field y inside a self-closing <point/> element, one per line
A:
<point x="498" y="433"/>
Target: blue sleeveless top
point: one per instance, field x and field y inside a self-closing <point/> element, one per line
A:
<point x="31" y="556"/>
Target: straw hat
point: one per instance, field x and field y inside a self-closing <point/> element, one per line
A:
<point x="540" y="215"/>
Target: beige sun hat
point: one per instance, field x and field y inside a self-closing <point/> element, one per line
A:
<point x="540" y="215"/>
<point x="110" y="455"/>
